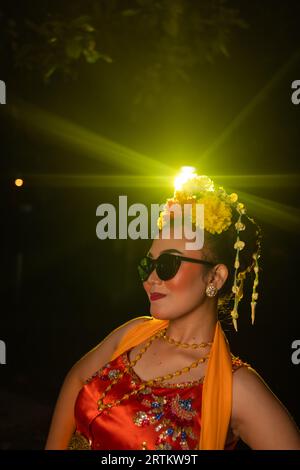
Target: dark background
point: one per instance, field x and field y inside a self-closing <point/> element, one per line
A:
<point x="222" y="104"/>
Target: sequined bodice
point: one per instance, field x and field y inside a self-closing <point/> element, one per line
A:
<point x="164" y="416"/>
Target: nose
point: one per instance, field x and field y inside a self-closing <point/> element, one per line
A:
<point x="153" y="278"/>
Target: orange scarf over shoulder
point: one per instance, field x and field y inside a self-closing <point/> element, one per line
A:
<point x="217" y="386"/>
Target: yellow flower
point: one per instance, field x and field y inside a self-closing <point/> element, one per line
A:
<point x="194" y="185"/>
<point x="233" y="197"/>
<point x="217" y="214"/>
<point x="217" y="204"/>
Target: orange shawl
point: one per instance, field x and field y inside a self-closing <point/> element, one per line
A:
<point x="217" y="386"/>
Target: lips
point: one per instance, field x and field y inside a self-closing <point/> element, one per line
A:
<point x="156" y="296"/>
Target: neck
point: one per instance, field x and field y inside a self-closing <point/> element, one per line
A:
<point x="194" y="327"/>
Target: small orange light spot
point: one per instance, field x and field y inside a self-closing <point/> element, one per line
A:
<point x="19" y="182"/>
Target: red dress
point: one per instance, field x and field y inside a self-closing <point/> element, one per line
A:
<point x="164" y="416"/>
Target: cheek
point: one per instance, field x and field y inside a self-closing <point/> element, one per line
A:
<point x="187" y="278"/>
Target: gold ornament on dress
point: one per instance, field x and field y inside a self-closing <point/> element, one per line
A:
<point x="144" y="445"/>
<point x="79" y="442"/>
<point x="106" y="406"/>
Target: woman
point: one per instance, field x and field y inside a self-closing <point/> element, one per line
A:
<point x="169" y="381"/>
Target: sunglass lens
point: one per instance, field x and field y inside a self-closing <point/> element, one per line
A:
<point x="145" y="268"/>
<point x="167" y="266"/>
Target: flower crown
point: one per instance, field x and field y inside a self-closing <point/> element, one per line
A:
<point x="218" y="214"/>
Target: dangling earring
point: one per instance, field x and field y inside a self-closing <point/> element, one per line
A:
<point x="211" y="290"/>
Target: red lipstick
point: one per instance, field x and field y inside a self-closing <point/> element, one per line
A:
<point x="156" y="296"/>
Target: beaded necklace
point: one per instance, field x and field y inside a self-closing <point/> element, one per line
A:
<point x="161" y="334"/>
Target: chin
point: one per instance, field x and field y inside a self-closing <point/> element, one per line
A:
<point x="161" y="315"/>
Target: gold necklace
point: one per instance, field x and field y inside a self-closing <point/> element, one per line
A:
<point x="102" y="406"/>
<point x="185" y="345"/>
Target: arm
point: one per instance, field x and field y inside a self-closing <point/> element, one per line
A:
<point x="63" y="422"/>
<point x="258" y="417"/>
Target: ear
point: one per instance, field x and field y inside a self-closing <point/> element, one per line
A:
<point x="219" y="275"/>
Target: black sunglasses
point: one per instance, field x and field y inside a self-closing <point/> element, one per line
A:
<point x="166" y="265"/>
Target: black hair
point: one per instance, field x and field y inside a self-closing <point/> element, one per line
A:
<point x="219" y="249"/>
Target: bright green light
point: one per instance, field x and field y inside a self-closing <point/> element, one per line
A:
<point x="186" y="173"/>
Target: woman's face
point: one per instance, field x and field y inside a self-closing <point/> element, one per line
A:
<point x="186" y="290"/>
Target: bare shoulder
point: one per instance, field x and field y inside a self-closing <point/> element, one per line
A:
<point x="244" y="374"/>
<point x="103" y="351"/>
<point x="258" y="416"/>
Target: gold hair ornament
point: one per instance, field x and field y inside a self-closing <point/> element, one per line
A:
<point x="193" y="189"/>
